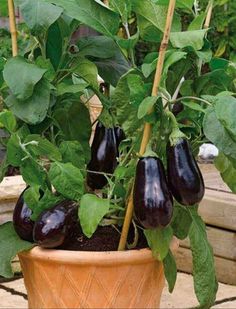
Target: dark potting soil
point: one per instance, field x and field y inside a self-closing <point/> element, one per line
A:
<point x="12" y="171"/>
<point x="104" y="239"/>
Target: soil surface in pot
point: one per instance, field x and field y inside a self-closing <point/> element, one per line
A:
<point x="104" y="239"/>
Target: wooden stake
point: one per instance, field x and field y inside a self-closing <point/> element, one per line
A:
<point x="147" y="128"/>
<point x="12" y="22"/>
<point x="209" y="14"/>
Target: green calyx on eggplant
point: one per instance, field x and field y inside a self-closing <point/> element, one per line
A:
<point x="153" y="203"/>
<point x="184" y="176"/>
<point x="55" y="227"/>
<point x="103" y="156"/>
<point x="22" y="223"/>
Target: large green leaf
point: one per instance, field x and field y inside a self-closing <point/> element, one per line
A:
<point x="205" y="283"/>
<point x="21" y="77"/>
<point x="67" y="180"/>
<point x="87" y="70"/>
<point x="227" y="169"/>
<point x="170" y="270"/>
<point x="10" y="245"/>
<point x="91" y="211"/>
<point x="75" y="124"/>
<point x="33" y="173"/>
<point x="8" y="120"/>
<point x="91" y="13"/>
<point x="38" y="14"/>
<point x="218" y="135"/>
<point x="159" y="241"/>
<point x="40" y="146"/>
<point x="194" y="39"/>
<point x="34" y="109"/>
<point x="181" y="222"/>
<point x="225" y="108"/>
<point x="146" y="105"/>
<point x="123" y="7"/>
<point x="154" y="13"/>
<point x="73" y="152"/>
<point x="106" y="55"/>
<point x="15" y="153"/>
<point x="129" y="93"/>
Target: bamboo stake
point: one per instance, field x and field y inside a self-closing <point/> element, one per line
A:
<point x="147" y="127"/>
<point x="209" y="14"/>
<point x="12" y="22"/>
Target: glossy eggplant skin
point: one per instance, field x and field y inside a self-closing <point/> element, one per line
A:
<point x="184" y="176"/>
<point x="103" y="156"/>
<point x="120" y="135"/>
<point x="55" y="226"/>
<point x="153" y="203"/>
<point x="22" y="223"/>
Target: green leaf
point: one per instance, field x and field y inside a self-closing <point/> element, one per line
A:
<point x="8" y="120"/>
<point x="73" y="152"/>
<point x="3" y="169"/>
<point x="10" y="245"/>
<point x="198" y="22"/>
<point x="57" y="36"/>
<point x="170" y="270"/>
<point x="40" y="146"/>
<point x="67" y="180"/>
<point x="146" y="106"/>
<point x="64" y="88"/>
<point x="225" y="108"/>
<point x="194" y="39"/>
<point x="15" y="153"/>
<point x="34" y="109"/>
<point x="193" y="105"/>
<point x="181" y="222"/>
<point x="129" y="93"/>
<point x="47" y="65"/>
<point x="22" y="85"/>
<point x="75" y="124"/>
<point x="38" y="14"/>
<point x="218" y="135"/>
<point x="205" y="283"/>
<point x="87" y="70"/>
<point x="91" y="13"/>
<point x="185" y="4"/>
<point x="108" y="57"/>
<point x="91" y="211"/>
<point x="227" y="168"/>
<point x="31" y="196"/>
<point x="48" y="201"/>
<point x="33" y="173"/>
<point x="123" y="7"/>
<point x="154" y="13"/>
<point x="159" y="241"/>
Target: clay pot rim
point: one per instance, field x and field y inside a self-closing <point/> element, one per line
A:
<point x="140" y="256"/>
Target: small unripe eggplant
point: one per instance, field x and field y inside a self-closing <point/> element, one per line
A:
<point x="153" y="203"/>
<point x="55" y="226"/>
<point x="184" y="176"/>
<point x="22" y="223"/>
<point x="103" y="156"/>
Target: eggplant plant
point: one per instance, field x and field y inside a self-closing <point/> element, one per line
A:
<point x="46" y="92"/>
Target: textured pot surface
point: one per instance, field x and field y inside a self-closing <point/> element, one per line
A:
<point x="70" y="279"/>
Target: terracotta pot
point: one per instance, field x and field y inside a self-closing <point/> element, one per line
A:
<point x="70" y="279"/>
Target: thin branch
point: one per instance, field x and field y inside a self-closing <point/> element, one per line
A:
<point x="147" y="127"/>
<point x="12" y="22"/>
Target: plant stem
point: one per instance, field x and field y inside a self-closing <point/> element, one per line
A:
<point x="147" y="127"/>
<point x="13" y="30"/>
<point x="191" y="98"/>
<point x="131" y="51"/>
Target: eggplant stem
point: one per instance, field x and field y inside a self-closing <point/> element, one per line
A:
<point x="147" y="127"/>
